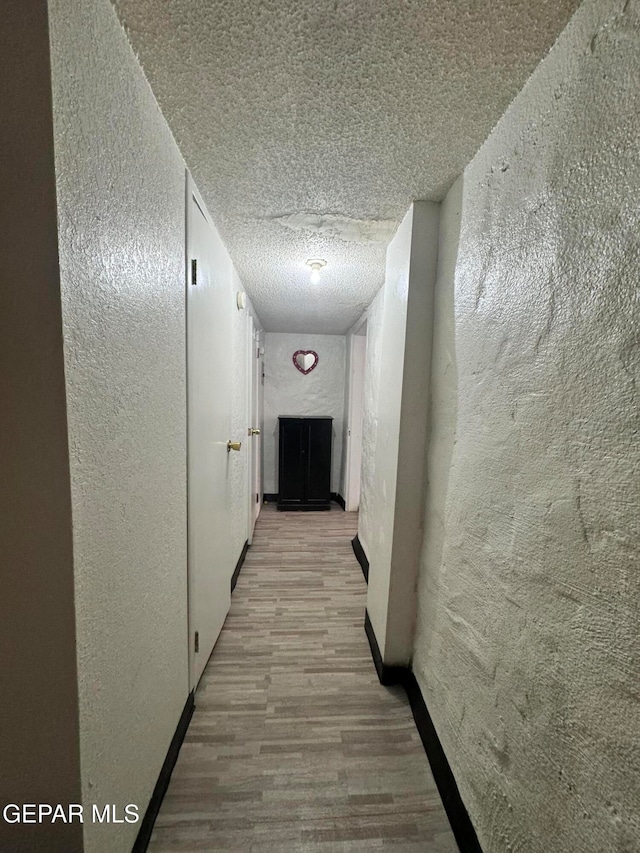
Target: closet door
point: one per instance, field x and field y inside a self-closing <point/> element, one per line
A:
<point x="211" y="558"/>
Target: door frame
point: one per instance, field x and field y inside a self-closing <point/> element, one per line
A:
<point x="253" y="422"/>
<point x="189" y="186"/>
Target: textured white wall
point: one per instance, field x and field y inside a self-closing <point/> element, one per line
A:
<point x="121" y="213"/>
<point x="379" y="536"/>
<point x="289" y="392"/>
<point x="399" y="351"/>
<point x="370" y="499"/>
<point x="356" y="346"/>
<point x="528" y="646"/>
<point x="408" y="511"/>
<point x="342" y="480"/>
<point x="39" y="732"/>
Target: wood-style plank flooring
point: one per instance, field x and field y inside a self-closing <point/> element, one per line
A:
<point x="294" y="745"/>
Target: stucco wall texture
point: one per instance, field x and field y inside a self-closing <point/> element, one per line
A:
<point x="289" y="392"/>
<point x="369" y="508"/>
<point x="39" y="739"/>
<point x="387" y="343"/>
<point x="121" y="233"/>
<point x="397" y="384"/>
<point x="527" y="645"/>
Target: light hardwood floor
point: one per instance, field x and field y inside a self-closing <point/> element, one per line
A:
<point x="294" y="745"/>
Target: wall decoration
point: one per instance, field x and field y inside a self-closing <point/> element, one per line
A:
<point x="305" y="360"/>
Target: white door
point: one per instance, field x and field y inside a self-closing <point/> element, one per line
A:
<point x="258" y="382"/>
<point x="254" y="432"/>
<point x="208" y="429"/>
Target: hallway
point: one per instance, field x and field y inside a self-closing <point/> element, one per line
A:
<point x="294" y="745"/>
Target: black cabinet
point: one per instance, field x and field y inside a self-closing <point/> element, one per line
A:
<point x="304" y="480"/>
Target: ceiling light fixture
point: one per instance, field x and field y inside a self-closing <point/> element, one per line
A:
<point x="316" y="264"/>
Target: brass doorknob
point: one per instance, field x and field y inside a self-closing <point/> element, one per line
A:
<point x="253" y="431"/>
<point x="233" y="445"/>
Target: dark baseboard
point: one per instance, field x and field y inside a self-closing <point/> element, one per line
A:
<point x="337" y="498"/>
<point x="304" y="508"/>
<point x="361" y="557"/>
<point x="272" y="498"/>
<point x="457" y="814"/>
<point x="236" y="571"/>
<point x="146" y="827"/>
<point x="388" y="675"/>
<point x="459" y="819"/>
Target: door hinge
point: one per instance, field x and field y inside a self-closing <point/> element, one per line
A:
<point x="196" y="642"/>
<point x="257" y="498"/>
<point x="194" y="270"/>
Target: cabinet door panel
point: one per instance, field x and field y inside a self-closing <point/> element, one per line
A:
<point x="293" y="445"/>
<point x="318" y="486"/>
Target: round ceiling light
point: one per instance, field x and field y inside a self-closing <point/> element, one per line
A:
<point x="315" y="264"/>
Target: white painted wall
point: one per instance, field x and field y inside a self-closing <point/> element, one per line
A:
<point x="393" y="465"/>
<point x="121" y="214"/>
<point x="122" y="262"/>
<point x="527" y="644"/>
<point x="342" y="484"/>
<point x="412" y="439"/>
<point x="122" y="243"/>
<point x="377" y="526"/>
<point x="370" y="500"/>
<point x="289" y="392"/>
<point x="356" y="346"/>
<point x="39" y="737"/>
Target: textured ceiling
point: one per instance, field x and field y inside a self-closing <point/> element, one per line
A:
<point x="297" y="116"/>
